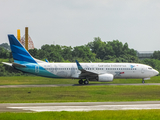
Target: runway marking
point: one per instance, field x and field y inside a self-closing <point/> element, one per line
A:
<point x="88" y="108"/>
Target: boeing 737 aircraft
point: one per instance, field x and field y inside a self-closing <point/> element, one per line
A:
<point x="85" y="72"/>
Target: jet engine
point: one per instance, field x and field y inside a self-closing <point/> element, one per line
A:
<point x="105" y="78"/>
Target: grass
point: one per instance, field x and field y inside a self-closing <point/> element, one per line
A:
<point x="32" y="80"/>
<point x="4" y="60"/>
<point x="79" y="94"/>
<point x="92" y="115"/>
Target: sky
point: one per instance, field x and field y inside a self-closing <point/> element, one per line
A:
<point x="77" y="22"/>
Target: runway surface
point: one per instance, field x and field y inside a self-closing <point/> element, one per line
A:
<point x="76" y="106"/>
<point x="58" y="85"/>
<point x="79" y="106"/>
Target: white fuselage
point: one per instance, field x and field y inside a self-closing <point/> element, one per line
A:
<point x="118" y="70"/>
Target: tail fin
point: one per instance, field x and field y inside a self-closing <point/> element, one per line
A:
<point x="19" y="53"/>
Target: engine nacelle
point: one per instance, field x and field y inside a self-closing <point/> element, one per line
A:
<point x="105" y="78"/>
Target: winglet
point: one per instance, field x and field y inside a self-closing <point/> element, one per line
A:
<point x="46" y="60"/>
<point x="79" y="66"/>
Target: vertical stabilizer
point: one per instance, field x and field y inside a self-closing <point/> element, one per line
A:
<point x="19" y="53"/>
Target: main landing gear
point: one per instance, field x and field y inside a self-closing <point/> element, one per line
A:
<point x="86" y="82"/>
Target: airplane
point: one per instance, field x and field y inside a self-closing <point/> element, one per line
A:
<point x="85" y="72"/>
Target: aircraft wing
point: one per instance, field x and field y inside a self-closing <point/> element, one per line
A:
<point x="85" y="73"/>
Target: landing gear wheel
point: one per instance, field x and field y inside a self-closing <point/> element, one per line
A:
<point x="86" y="82"/>
<point x="143" y="81"/>
<point x="80" y="82"/>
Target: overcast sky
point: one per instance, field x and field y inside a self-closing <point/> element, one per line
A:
<point x="77" y="22"/>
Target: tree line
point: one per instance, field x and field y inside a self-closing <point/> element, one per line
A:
<point x="95" y="51"/>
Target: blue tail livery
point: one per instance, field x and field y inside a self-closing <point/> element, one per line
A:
<point x="19" y="53"/>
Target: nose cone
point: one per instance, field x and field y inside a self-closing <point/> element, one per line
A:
<point x="155" y="72"/>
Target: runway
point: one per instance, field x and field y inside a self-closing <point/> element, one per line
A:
<point x="78" y="106"/>
<point x="59" y="85"/>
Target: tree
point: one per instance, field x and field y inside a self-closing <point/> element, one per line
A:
<point x="98" y="47"/>
<point x="2" y="70"/>
<point x="117" y="47"/>
<point x="4" y="53"/>
<point x="34" y="52"/>
<point x="156" y="55"/>
<point x="112" y="50"/>
<point x="152" y="62"/>
<point x="83" y="52"/>
<point x="67" y="53"/>
<point x="5" y="46"/>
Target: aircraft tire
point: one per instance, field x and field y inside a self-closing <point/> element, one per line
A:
<point x="86" y="82"/>
<point x="80" y="82"/>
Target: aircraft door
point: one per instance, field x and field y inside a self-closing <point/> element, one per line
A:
<point x="36" y="69"/>
<point x="142" y="70"/>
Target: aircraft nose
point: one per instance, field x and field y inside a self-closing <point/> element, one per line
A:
<point x="155" y="72"/>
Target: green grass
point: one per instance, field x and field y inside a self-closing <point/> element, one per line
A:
<point x="79" y="94"/>
<point x="32" y="80"/>
<point x="92" y="115"/>
<point x="4" y="60"/>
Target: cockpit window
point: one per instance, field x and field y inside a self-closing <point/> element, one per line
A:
<point x="150" y="68"/>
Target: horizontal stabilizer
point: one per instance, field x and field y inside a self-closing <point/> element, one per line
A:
<point x="14" y="64"/>
<point x="18" y="65"/>
<point x="9" y="64"/>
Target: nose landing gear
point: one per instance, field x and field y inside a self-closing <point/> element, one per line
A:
<point x="143" y="81"/>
